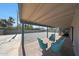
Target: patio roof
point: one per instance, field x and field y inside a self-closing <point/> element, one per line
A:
<point x="49" y="14"/>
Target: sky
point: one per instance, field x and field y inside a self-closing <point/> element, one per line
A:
<point x="8" y="9"/>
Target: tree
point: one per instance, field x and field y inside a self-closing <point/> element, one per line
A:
<point x="10" y="22"/>
<point x="28" y="27"/>
<point x="7" y="23"/>
<point x="3" y="23"/>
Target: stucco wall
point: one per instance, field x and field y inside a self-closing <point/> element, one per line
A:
<point x="75" y="24"/>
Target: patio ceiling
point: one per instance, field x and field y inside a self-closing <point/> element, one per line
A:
<point x="53" y="14"/>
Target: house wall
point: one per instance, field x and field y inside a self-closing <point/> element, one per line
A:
<point x="75" y="24"/>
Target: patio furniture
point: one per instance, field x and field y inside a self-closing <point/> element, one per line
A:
<point x="56" y="47"/>
<point x="41" y="44"/>
<point x="52" y="37"/>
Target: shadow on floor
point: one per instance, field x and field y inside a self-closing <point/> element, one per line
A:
<point x="64" y="52"/>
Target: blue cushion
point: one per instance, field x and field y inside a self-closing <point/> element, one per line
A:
<point x="52" y="37"/>
<point x="56" y="47"/>
<point x="42" y="45"/>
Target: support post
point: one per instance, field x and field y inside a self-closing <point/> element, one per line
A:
<point x="23" y="50"/>
<point x="72" y="33"/>
<point x="47" y="32"/>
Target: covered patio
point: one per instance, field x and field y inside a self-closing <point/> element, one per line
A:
<point x="53" y="15"/>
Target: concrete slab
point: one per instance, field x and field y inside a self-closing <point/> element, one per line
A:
<point x="9" y="48"/>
